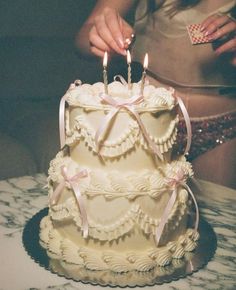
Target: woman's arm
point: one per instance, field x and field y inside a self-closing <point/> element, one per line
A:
<point x="105" y="29"/>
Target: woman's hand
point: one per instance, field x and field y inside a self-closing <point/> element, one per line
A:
<point x="109" y="32"/>
<point x="222" y="27"/>
<point x="105" y="29"/>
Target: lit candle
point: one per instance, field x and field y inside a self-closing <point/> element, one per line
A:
<point x="105" y="58"/>
<point x="145" y="65"/>
<point x="129" y="69"/>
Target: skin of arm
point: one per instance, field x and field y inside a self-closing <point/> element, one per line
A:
<point x="105" y="29"/>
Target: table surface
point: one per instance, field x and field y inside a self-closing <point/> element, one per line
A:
<point x="21" y="198"/>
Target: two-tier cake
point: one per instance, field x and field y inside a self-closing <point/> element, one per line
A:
<point x="119" y="198"/>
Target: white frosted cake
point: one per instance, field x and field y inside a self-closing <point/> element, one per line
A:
<point x="119" y="198"/>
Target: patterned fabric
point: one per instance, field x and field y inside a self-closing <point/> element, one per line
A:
<point x="207" y="133"/>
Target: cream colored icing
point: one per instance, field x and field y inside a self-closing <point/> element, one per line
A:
<point x="87" y="96"/>
<point x="107" y="277"/>
<point x="113" y="260"/>
<point x="126" y="189"/>
<point x="124" y="142"/>
<point x="135" y="215"/>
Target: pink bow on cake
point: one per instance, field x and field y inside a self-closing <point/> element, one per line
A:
<point x="73" y="181"/>
<point x="174" y="183"/>
<point x="129" y="105"/>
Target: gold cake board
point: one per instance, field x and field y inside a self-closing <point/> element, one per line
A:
<point x="179" y="268"/>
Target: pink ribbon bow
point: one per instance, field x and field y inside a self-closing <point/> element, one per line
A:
<point x="121" y="79"/>
<point x="73" y="181"/>
<point x="127" y="104"/>
<point x="174" y="183"/>
<point x="187" y="122"/>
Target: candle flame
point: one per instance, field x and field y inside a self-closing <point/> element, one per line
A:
<point x="145" y="63"/>
<point x="105" y="58"/>
<point x="128" y="57"/>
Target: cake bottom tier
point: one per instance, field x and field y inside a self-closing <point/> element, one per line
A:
<point x="136" y="251"/>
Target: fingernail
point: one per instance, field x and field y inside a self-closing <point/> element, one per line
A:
<point x="122" y="52"/>
<point x="217" y="52"/>
<point x="212" y="37"/>
<point x="206" y="33"/>
<point x="202" y="28"/>
<point x="120" y="43"/>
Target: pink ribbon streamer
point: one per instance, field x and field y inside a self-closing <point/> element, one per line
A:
<point x="174" y="183"/>
<point x="62" y="131"/>
<point x="187" y="122"/>
<point x="73" y="181"/>
<point x="122" y="80"/>
<point x="127" y="104"/>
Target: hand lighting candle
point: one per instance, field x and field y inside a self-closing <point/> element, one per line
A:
<point x="129" y="70"/>
<point x="145" y="65"/>
<point x="105" y="58"/>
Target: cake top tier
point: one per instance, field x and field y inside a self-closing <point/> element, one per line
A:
<point x="90" y="96"/>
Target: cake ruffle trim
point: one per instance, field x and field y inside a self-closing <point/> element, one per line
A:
<point x="114" y="185"/>
<point x="126" y="141"/>
<point x="87" y="96"/>
<point x="118" y="262"/>
<point x="134" y="216"/>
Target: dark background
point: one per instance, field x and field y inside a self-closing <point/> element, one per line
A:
<point x="37" y="54"/>
<point x="38" y="61"/>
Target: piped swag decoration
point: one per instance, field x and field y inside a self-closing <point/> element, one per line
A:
<point x="62" y="131"/>
<point x="129" y="105"/>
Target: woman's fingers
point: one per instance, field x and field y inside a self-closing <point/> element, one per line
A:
<point x="105" y="34"/>
<point x="109" y="32"/>
<point x="97" y="45"/>
<point x="214" y="22"/>
<point x="228" y="46"/>
<point x="114" y="24"/>
<point x="225" y="30"/>
<point x="221" y="27"/>
<point x="96" y="51"/>
<point x="96" y="41"/>
<point x="127" y="31"/>
<point x="208" y="21"/>
<point x="233" y="61"/>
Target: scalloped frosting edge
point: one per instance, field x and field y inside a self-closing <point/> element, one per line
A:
<point x="92" y="259"/>
<point x="87" y="96"/>
<point x="135" y="216"/>
<point x="129" y="185"/>
<point x="132" y="136"/>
